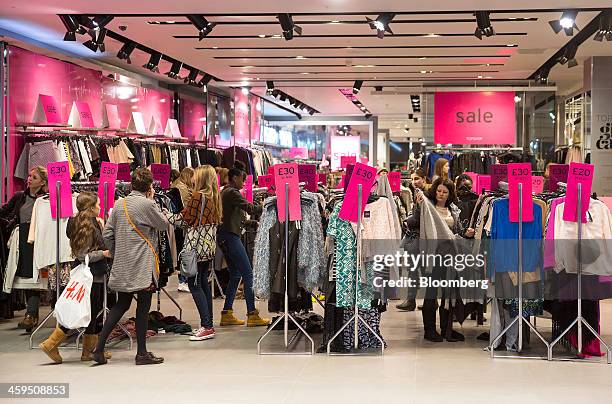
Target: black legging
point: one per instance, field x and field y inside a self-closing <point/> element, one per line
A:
<point x="96" y="298"/>
<point x="142" y="318"/>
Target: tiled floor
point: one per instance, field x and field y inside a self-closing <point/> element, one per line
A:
<point x="228" y="369"/>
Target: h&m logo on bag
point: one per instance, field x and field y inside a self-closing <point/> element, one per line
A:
<point x="605" y="140"/>
<point x="75" y="291"/>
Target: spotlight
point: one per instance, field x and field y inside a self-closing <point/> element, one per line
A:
<point x="288" y="26"/>
<point x="517" y="99"/>
<point x="542" y="76"/>
<point x="175" y="70"/>
<point x="368" y="115"/>
<point x="275" y="93"/>
<point x="125" y="51"/>
<point x="283" y="97"/>
<point x="96" y="43"/>
<point x="483" y="22"/>
<point x="202" y="24"/>
<point x="357" y="86"/>
<point x="205" y="80"/>
<point x="245" y="90"/>
<point x="569" y="57"/>
<point x="191" y="78"/>
<point x="101" y="21"/>
<point x="72" y="27"/>
<point x="153" y="62"/>
<point x="567" y="23"/>
<point x="381" y="24"/>
<point x="311" y="111"/>
<point x="269" y="86"/>
<point x="605" y="29"/>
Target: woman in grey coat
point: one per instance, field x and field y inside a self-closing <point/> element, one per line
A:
<point x="131" y="236"/>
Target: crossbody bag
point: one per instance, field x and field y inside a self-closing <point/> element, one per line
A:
<point x="129" y="219"/>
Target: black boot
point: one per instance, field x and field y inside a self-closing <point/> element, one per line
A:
<point x="408" y="305"/>
<point x="429" y="321"/>
<point x="446" y="325"/>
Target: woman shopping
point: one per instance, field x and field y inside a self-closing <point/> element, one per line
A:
<point x="441" y="169"/>
<point x="201" y="215"/>
<point x="131" y="236"/>
<point x="17" y="212"/>
<point x="234" y="207"/>
<point x="85" y="233"/>
<point x="441" y="197"/>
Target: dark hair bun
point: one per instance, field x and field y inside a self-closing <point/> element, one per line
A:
<point x="239" y="165"/>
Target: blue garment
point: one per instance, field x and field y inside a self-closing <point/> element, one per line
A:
<point x="431" y="163"/>
<point x="503" y="255"/>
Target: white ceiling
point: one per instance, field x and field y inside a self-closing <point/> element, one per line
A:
<point x="330" y="69"/>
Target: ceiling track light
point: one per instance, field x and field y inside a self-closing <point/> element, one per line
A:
<point x="72" y="26"/>
<point x="153" y="63"/>
<point x="483" y="25"/>
<point x="569" y="57"/>
<point x="605" y="29"/>
<point x="191" y="78"/>
<point x="96" y="43"/>
<point x="205" y="80"/>
<point x="101" y="21"/>
<point x="125" y="52"/>
<point x="357" y="86"/>
<point x="203" y="26"/>
<point x="175" y="70"/>
<point x="566" y="23"/>
<point x="269" y="87"/>
<point x="288" y="26"/>
<point x="381" y="24"/>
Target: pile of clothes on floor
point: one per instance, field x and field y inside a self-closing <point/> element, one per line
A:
<point x="157" y="323"/>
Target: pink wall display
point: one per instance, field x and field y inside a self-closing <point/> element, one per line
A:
<point x="478" y="117"/>
<point x="241" y="119"/>
<point x="256" y="119"/>
<point x="193" y="117"/>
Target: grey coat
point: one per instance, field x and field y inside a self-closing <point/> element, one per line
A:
<point x="133" y="261"/>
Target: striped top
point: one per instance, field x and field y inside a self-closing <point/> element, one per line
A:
<point x="133" y="261"/>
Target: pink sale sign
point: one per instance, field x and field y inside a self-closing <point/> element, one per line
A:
<point x="287" y="174"/>
<point x="520" y="173"/>
<point x="108" y="175"/>
<point x="362" y="175"/>
<point x="578" y="173"/>
<point x="60" y="173"/>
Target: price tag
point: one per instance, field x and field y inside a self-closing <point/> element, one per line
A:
<point x="271" y="171"/>
<point x="520" y="173"/>
<point x="557" y="173"/>
<point x="123" y="172"/>
<point x="364" y="175"/>
<point x="266" y="181"/>
<point x="287" y="174"/>
<point x="108" y="174"/>
<point x="60" y="172"/>
<point x="161" y="173"/>
<point x="80" y="115"/>
<point x="47" y="110"/>
<point x="484" y="182"/>
<point x="578" y="173"/>
<point x="537" y="184"/>
<point x="322" y="178"/>
<point x="308" y="173"/>
<point x="346" y="160"/>
<point x="499" y="172"/>
<point x="248" y="188"/>
<point x="395" y="180"/>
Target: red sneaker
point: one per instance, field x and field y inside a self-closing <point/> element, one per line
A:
<point x="202" y="333"/>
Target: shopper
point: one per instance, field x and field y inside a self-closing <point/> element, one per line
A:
<point x="223" y="176"/>
<point x="131" y="236"/>
<point x="17" y="212"/>
<point x="234" y="207"/>
<point x="85" y="233"/>
<point x="441" y="169"/>
<point x="442" y="196"/>
<point x="182" y="185"/>
<point x="201" y="215"/>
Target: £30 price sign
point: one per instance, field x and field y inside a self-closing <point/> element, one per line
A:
<point x="287" y="174"/>
<point x="60" y="172"/>
<point x="365" y="176"/>
<point x="108" y="176"/>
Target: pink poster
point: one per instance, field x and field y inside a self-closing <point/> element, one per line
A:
<point x="47" y="110"/>
<point x="248" y="188"/>
<point x="362" y="175"/>
<point x="484" y="182"/>
<point x="161" y="173"/>
<point x="108" y="175"/>
<point x="266" y="181"/>
<point x="59" y="172"/>
<point x="256" y="119"/>
<point x="322" y="178"/>
<point x="395" y="180"/>
<point x="499" y="173"/>
<point x="557" y="173"/>
<point x="308" y="173"/>
<point x="298" y="153"/>
<point x="520" y="173"/>
<point x="537" y="184"/>
<point x="85" y="115"/>
<point x="579" y="173"/>
<point x="346" y="160"/>
<point x="123" y="172"/>
<point x="193" y="117"/>
<point x="479" y="117"/>
<point x="343" y="146"/>
<point x="287" y="174"/>
<point x="241" y="118"/>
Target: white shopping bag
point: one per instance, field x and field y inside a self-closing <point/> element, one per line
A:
<point x="73" y="309"/>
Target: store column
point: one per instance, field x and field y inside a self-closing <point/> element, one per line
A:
<point x="597" y="70"/>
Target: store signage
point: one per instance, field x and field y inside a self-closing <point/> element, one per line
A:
<point x="123" y="172"/>
<point x="298" y="153"/>
<point x="80" y="115"/>
<point x="172" y="129"/>
<point x="241" y="118"/>
<point x="308" y="173"/>
<point x="537" y="184"/>
<point x="266" y="181"/>
<point x="601" y="122"/>
<point x="47" y="110"/>
<point x="579" y="173"/>
<point x="155" y="126"/>
<point x="479" y="117"/>
<point x="60" y="172"/>
<point x="484" y="182"/>
<point x="346" y="160"/>
<point x="499" y="173"/>
<point x="248" y="188"/>
<point x="161" y="173"/>
<point x="322" y="178"/>
<point x="395" y="180"/>
<point x="520" y="173"/>
<point x="108" y="175"/>
<point x="557" y="173"/>
<point x="344" y="146"/>
<point x="136" y="124"/>
<point x="287" y="174"/>
<point x="365" y="176"/>
<point x="110" y="118"/>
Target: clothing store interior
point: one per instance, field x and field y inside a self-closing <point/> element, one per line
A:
<point x="275" y="202"/>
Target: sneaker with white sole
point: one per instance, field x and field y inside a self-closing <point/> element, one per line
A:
<point x="202" y="334"/>
<point x="183" y="287"/>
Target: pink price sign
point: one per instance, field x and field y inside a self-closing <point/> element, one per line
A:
<point x="520" y="173"/>
<point x="123" y="172"/>
<point x="308" y="173"/>
<point x="84" y="114"/>
<point x="499" y="172"/>
<point x="60" y="172"/>
<point x="161" y="173"/>
<point x="47" y="110"/>
<point x="108" y="175"/>
<point x="322" y="178"/>
<point x="287" y="174"/>
<point x="248" y="188"/>
<point x="557" y="173"/>
<point x="362" y="175"/>
<point x="484" y="182"/>
<point x="346" y="160"/>
<point x="578" y="173"/>
<point x="537" y="184"/>
<point x="395" y="180"/>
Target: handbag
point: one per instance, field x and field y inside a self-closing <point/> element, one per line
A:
<point x="189" y="256"/>
<point x="129" y="219"/>
<point x="73" y="309"/>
